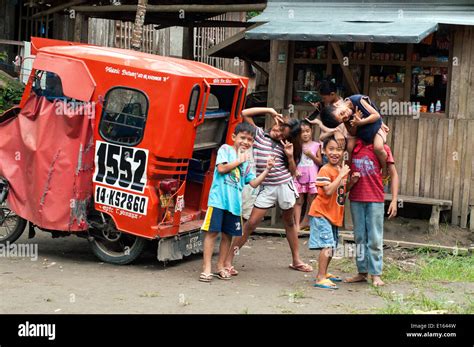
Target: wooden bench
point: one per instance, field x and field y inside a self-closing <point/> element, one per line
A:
<point x="437" y="206"/>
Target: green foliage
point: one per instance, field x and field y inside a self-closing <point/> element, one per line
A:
<point x="9" y="96"/>
<point x="252" y="14"/>
<point x="418" y="303"/>
<point x="430" y="267"/>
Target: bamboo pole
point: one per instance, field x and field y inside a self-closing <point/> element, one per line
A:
<point x="138" y="26"/>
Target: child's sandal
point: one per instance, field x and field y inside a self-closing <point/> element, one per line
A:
<point x="222" y="274"/>
<point x="232" y="271"/>
<point x="204" y="277"/>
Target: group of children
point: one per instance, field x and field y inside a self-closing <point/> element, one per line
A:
<point x="290" y="169"/>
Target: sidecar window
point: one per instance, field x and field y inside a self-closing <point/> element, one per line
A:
<point x="48" y="84"/>
<point x="124" y="116"/>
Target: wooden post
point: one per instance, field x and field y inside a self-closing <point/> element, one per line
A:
<point x="471" y="224"/>
<point x="138" y="27"/>
<point x="408" y="66"/>
<point x="368" y="52"/>
<point x="278" y="69"/>
<point x="277" y="74"/>
<point x="78" y="22"/>
<point x="188" y="43"/>
<point x="347" y="72"/>
<point x="434" y="219"/>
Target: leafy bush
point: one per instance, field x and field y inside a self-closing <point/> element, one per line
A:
<point x="9" y="97"/>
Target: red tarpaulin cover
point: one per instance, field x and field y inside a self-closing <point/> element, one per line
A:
<point x="46" y="154"/>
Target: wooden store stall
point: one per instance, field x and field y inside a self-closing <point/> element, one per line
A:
<point x="416" y="62"/>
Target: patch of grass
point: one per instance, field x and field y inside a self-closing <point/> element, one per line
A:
<point x="294" y="296"/>
<point x="438" y="288"/>
<point x="417" y="303"/>
<point x="346" y="265"/>
<point x="150" y="295"/>
<point x="432" y="266"/>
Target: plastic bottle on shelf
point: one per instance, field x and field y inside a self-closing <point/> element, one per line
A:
<point x="432" y="108"/>
<point x="438" y="106"/>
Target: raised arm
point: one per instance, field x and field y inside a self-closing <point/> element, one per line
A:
<point x="372" y="118"/>
<point x="260" y="178"/>
<point x="288" y="148"/>
<point x="331" y="187"/>
<point x="249" y="113"/>
<point x="224" y="168"/>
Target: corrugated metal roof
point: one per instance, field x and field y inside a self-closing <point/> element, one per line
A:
<point x="405" y="32"/>
<point x="435" y="11"/>
<point x="345" y="20"/>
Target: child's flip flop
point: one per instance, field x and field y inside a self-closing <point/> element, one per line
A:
<point x="232" y="271"/>
<point x="301" y="267"/>
<point x="204" y="277"/>
<point x="222" y="274"/>
<point x="333" y="278"/>
<point x="325" y="284"/>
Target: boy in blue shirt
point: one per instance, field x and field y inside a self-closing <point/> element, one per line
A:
<point x="231" y="174"/>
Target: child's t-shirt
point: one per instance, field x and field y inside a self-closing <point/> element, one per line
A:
<point x="366" y="132"/>
<point x="226" y="189"/>
<point x="307" y="167"/>
<point x="263" y="148"/>
<point x="369" y="187"/>
<point x="330" y="207"/>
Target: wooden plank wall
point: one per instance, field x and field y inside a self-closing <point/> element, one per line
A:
<point x="434" y="158"/>
<point x="114" y="33"/>
<point x="206" y="37"/>
<point x="462" y="80"/>
<point x="118" y="34"/>
<point x="7" y="28"/>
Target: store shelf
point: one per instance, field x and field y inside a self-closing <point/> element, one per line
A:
<point x="430" y="63"/>
<point x="388" y="62"/>
<point x="310" y="61"/>
<point x="387" y="84"/>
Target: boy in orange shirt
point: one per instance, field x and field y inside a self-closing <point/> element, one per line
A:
<point x="327" y="209"/>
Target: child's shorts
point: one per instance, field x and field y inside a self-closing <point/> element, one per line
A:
<point x="285" y="194"/>
<point x="249" y="195"/>
<point x="303" y="188"/>
<point x="218" y="220"/>
<point x="322" y="233"/>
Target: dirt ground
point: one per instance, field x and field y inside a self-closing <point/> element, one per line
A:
<point x="416" y="230"/>
<point x="67" y="278"/>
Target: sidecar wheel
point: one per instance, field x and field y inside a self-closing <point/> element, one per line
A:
<point x="12" y="226"/>
<point x="122" y="251"/>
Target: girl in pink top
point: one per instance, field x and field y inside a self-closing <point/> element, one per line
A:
<point x="306" y="172"/>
